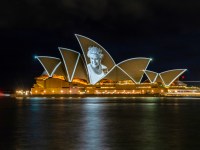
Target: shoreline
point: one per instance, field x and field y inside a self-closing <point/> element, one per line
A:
<point x="105" y="95"/>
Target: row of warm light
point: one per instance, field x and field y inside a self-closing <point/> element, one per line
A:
<point x="124" y="92"/>
<point x="57" y="92"/>
<point x="96" y="91"/>
<point x="183" y="94"/>
<point x="22" y="92"/>
<point x="183" y="91"/>
<point x="45" y="92"/>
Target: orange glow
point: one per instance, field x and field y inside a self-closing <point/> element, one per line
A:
<point x="58" y="77"/>
<point x="80" y="81"/>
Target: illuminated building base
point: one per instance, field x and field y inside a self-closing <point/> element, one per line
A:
<point x="58" y="87"/>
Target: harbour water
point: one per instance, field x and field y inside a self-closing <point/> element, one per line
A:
<point x="100" y="123"/>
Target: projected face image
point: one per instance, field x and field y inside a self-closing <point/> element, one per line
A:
<point x="95" y="60"/>
<point x="95" y="69"/>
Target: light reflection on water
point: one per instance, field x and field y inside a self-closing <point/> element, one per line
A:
<point x="99" y="123"/>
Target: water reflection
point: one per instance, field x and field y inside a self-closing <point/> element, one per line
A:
<point x="79" y="124"/>
<point x="93" y="130"/>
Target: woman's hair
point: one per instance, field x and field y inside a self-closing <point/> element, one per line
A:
<point x="94" y="50"/>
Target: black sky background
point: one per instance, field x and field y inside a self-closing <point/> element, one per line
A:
<point x="167" y="31"/>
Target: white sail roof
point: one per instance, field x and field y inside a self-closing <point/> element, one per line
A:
<point x="168" y="77"/>
<point x="135" y="67"/>
<point x="106" y="61"/>
<point x="151" y="75"/>
<point x="50" y="64"/>
<point x="117" y="74"/>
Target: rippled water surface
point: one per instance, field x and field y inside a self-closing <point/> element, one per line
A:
<point x="100" y="123"/>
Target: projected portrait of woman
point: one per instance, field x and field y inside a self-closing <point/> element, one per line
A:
<point x="95" y="68"/>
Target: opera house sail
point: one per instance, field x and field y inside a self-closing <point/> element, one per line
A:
<point x="94" y="72"/>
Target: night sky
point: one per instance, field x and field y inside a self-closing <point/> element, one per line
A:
<point x="166" y="30"/>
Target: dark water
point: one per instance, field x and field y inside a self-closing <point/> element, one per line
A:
<point x="100" y="124"/>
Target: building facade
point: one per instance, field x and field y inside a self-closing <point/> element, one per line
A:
<point x="94" y="72"/>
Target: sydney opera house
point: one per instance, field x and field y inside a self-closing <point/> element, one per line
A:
<point x="94" y="72"/>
